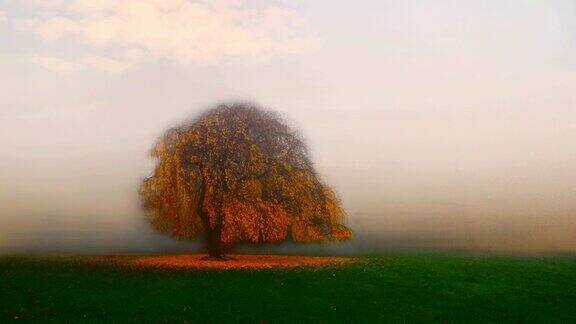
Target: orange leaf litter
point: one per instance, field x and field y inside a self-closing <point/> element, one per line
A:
<point x="241" y="261"/>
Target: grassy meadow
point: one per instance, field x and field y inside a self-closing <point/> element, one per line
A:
<point x="385" y="288"/>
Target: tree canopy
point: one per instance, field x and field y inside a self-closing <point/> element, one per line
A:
<point x="238" y="173"/>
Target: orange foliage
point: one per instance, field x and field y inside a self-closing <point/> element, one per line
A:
<point x="238" y="172"/>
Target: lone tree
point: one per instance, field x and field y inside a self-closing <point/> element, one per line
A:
<point x="238" y="173"/>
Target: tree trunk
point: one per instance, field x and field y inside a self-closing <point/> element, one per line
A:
<point x="215" y="246"/>
<point x="213" y="239"/>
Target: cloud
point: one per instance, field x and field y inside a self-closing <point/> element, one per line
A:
<point x="65" y="66"/>
<point x="56" y="64"/>
<point x="105" y="64"/>
<point x="180" y="31"/>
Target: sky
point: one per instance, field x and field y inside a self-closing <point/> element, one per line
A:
<point x="441" y="124"/>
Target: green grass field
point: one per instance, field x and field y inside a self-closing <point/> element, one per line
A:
<point x="388" y="288"/>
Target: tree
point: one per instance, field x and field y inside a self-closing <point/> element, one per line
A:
<point x="238" y="173"/>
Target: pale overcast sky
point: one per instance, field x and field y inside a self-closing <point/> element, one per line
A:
<point x="446" y="124"/>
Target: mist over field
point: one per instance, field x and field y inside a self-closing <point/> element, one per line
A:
<point x="445" y="126"/>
